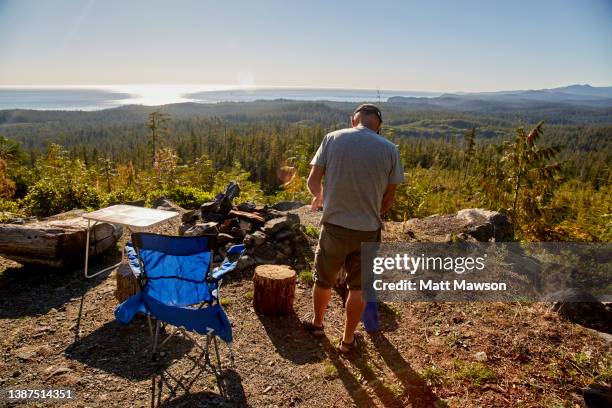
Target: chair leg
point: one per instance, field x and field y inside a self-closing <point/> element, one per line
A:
<point x="206" y="351"/>
<point x="155" y="341"/>
<point x="217" y="351"/>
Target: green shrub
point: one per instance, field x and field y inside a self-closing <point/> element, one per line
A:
<point x="312" y="231"/>
<point x="186" y="197"/>
<point x="306" y="277"/>
<point x="120" y="196"/>
<point x="8" y="206"/>
<point x="47" y="197"/>
<point x="476" y="373"/>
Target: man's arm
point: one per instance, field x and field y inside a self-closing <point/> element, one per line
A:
<point x="315" y="186"/>
<point x="388" y="198"/>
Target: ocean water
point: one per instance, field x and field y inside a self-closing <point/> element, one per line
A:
<point x="104" y="97"/>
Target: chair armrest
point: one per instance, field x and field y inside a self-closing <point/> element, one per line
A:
<point x="227" y="265"/>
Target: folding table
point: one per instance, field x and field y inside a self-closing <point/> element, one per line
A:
<point x="135" y="219"/>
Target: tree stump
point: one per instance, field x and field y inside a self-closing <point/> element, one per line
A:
<point x="127" y="284"/>
<point x="273" y="289"/>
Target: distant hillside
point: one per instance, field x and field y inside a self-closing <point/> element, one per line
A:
<point x="556" y="100"/>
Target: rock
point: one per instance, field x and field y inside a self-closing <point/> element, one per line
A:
<point x="480" y="356"/>
<point x="211" y="217"/>
<point x="137" y="203"/>
<point x="583" y="308"/>
<point x="259" y="237"/>
<point x="287" y="250"/>
<point x="469" y="224"/>
<point x="162" y="203"/>
<point x="265" y="253"/>
<point x="244" y="262"/>
<point x="272" y="213"/>
<point x="485" y="225"/>
<point x="210" y="206"/>
<point x="287" y="205"/>
<point x="284" y="234"/>
<point x="208" y="228"/>
<point x="245" y="226"/>
<point x="224" y="239"/>
<point x="247" y="206"/>
<point x="225" y="206"/>
<point x="184" y="227"/>
<point x="237" y="233"/>
<point x="276" y="224"/>
<point x="190" y="216"/>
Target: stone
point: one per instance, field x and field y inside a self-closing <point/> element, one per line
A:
<point x="248" y="241"/>
<point x="276" y="224"/>
<point x="284" y="234"/>
<point x="287" y="250"/>
<point x="245" y="226"/>
<point x="211" y="217"/>
<point x="210" y="206"/>
<point x="582" y="307"/>
<point x="244" y="262"/>
<point x="137" y="203"/>
<point x="265" y="252"/>
<point x="224" y="239"/>
<point x="288" y="205"/>
<point x="164" y="204"/>
<point x="184" y="227"/>
<point x="272" y="213"/>
<point x="247" y="206"/>
<point x="225" y="206"/>
<point x="471" y="224"/>
<point x="190" y="217"/>
<point x="481" y="356"/>
<point x="207" y="228"/>
<point x="259" y="237"/>
<point x="485" y="225"/>
<point x="237" y="232"/>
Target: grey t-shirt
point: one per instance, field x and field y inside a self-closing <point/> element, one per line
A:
<point x="359" y="164"/>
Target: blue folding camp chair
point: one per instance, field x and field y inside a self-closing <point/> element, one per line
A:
<point x="179" y="287"/>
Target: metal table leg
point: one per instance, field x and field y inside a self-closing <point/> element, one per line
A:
<point x="87" y="255"/>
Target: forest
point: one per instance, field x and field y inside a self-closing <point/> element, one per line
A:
<point x="547" y="167"/>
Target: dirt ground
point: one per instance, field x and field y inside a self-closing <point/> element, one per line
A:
<point x="58" y="330"/>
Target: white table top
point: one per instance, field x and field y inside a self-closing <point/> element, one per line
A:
<point x="131" y="216"/>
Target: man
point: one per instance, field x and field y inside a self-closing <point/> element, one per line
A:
<point x="362" y="171"/>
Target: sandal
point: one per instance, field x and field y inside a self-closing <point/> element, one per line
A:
<point x="348" y="347"/>
<point x="312" y="329"/>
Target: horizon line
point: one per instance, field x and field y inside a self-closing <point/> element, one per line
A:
<point x="228" y="87"/>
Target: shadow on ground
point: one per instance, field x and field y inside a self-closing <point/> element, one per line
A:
<point x="30" y="291"/>
<point x="228" y="382"/>
<point x="416" y="390"/>
<point x="290" y="339"/>
<point x="125" y="350"/>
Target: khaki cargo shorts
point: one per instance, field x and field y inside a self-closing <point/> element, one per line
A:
<point x="340" y="247"/>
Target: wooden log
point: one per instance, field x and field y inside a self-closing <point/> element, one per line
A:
<point x="273" y="289"/>
<point x="57" y="242"/>
<point x="251" y="217"/>
<point x="127" y="284"/>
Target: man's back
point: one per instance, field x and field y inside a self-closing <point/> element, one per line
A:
<point x="359" y="164"/>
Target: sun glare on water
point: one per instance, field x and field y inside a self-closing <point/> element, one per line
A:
<point x="162" y="94"/>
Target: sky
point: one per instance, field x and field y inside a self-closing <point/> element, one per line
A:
<point x="436" y="45"/>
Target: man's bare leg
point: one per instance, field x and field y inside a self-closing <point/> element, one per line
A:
<point x="354" y="309"/>
<point x="320" y="300"/>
